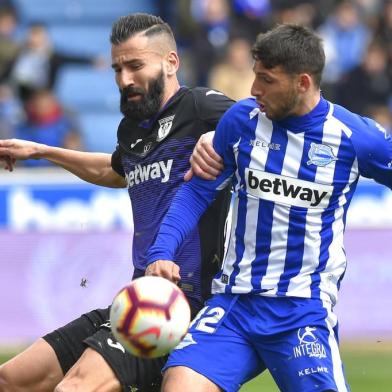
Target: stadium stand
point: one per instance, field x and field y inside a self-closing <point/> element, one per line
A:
<point x="81" y="11"/>
<point x="82" y="88"/>
<point x="98" y="130"/>
<point x="81" y="39"/>
<point x="82" y="28"/>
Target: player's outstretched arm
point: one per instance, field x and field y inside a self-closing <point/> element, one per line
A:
<point x="91" y="167"/>
<point x="205" y="162"/>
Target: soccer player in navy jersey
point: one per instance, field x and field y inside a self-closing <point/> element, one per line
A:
<point x="294" y="160"/>
<point x="162" y="122"/>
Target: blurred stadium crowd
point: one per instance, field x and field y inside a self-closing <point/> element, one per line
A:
<point x="57" y="87"/>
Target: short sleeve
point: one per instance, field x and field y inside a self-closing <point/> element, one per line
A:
<point x="116" y="162"/>
<point x="373" y="147"/>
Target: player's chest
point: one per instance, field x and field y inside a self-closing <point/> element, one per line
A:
<point x="295" y="163"/>
<point x="163" y="166"/>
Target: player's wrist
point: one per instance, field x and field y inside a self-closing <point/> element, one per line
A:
<point x="42" y="151"/>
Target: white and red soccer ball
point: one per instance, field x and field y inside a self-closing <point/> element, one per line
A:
<point x="150" y="316"/>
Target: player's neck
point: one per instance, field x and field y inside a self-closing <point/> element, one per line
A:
<point x="308" y="103"/>
<point x="172" y="87"/>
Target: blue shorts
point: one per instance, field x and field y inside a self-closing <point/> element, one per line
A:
<point x="236" y="337"/>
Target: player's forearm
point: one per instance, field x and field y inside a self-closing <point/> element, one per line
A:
<point x="91" y="167"/>
<point x="185" y="211"/>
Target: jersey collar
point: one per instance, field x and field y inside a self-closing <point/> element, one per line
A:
<point x="309" y="120"/>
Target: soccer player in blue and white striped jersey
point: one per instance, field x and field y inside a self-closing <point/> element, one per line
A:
<point x="294" y="160"/>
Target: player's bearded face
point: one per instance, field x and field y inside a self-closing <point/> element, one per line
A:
<point x="283" y="105"/>
<point x="147" y="104"/>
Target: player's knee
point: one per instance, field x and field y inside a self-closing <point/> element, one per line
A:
<point x="6" y="384"/>
<point x="66" y="386"/>
<point x="183" y="379"/>
<point x="70" y="383"/>
<point x="79" y="380"/>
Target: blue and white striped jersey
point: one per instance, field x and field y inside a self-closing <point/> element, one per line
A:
<point x="293" y="181"/>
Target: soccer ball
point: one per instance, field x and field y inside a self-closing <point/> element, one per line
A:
<point x="150" y="316"/>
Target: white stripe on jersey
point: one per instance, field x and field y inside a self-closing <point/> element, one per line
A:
<point x="337" y="261"/>
<point x="231" y="224"/>
<point x="280" y="224"/>
<point x="324" y="174"/>
<point x="258" y="157"/>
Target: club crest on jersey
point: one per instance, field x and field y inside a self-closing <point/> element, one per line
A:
<point x="320" y="155"/>
<point x="165" y="125"/>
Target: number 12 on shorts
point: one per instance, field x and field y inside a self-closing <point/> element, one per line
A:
<point x="208" y="319"/>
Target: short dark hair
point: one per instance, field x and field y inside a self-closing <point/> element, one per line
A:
<point x="296" y="48"/>
<point x="127" y="26"/>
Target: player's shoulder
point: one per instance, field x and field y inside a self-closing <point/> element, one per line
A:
<point x="205" y="97"/>
<point x="355" y="123"/>
<point x="365" y="133"/>
<point x="206" y="93"/>
<point x="245" y="109"/>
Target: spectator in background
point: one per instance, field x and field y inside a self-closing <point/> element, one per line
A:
<point x="381" y="114"/>
<point x="346" y="38"/>
<point x="311" y="13"/>
<point x="9" y="46"/>
<point x="303" y="13"/>
<point x="383" y="30"/>
<point x="10" y="112"/>
<point x="46" y="122"/>
<point x="38" y="62"/>
<point x="237" y="66"/>
<point x="251" y="16"/>
<point x="368" y="84"/>
<point x="211" y="37"/>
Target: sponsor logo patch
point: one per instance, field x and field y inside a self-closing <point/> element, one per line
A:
<point x="320" y="155"/>
<point x="263" y="144"/>
<point x="308" y="344"/>
<point x="287" y="190"/>
<point x="136" y="142"/>
<point x="165" y="125"/>
<point x="147" y="147"/>
<point x="151" y="171"/>
<point x="116" y="345"/>
<point x="312" y="370"/>
<point x="224" y="279"/>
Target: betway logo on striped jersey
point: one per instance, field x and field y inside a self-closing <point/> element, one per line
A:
<point x="287" y="190"/>
<point x="139" y="174"/>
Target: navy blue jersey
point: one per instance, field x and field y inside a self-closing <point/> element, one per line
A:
<point x="153" y="157"/>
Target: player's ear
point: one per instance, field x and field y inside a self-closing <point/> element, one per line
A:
<point x="172" y="63"/>
<point x="305" y="81"/>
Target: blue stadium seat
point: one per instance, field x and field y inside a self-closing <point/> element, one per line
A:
<point x="86" y="11"/>
<point x="99" y="130"/>
<point x="81" y="39"/>
<point x="86" y="88"/>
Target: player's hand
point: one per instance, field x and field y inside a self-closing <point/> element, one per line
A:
<point x="205" y="162"/>
<point x="165" y="269"/>
<point x="12" y="150"/>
